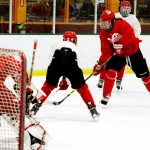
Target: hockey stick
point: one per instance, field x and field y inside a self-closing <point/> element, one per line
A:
<point x="58" y="103"/>
<point x="33" y="58"/>
<point x="50" y="96"/>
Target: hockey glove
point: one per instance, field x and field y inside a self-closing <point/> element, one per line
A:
<point x="64" y="84"/>
<point x="116" y="37"/>
<point x="29" y="96"/>
<point x="97" y="69"/>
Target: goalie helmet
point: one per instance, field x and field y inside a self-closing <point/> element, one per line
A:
<point x="106" y="20"/>
<point x="125" y="8"/>
<point x="70" y="36"/>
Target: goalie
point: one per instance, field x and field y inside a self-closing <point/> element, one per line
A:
<point x="35" y="136"/>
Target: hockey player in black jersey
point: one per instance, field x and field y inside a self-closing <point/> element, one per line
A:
<point x="64" y="64"/>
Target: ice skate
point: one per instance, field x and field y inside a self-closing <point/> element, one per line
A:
<point x="93" y="111"/>
<point x="118" y="85"/>
<point x="104" y="100"/>
<point x="100" y="83"/>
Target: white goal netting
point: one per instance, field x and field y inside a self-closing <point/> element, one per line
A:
<point x="12" y="72"/>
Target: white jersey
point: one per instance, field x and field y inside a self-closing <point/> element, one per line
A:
<point x="133" y="21"/>
<point x="67" y="44"/>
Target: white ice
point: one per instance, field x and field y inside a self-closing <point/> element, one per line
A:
<point x="123" y="125"/>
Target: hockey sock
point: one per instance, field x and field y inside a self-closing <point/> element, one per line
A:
<point x="102" y="74"/>
<point x="120" y="74"/>
<point x="109" y="83"/>
<point x="47" y="89"/>
<point x="146" y="81"/>
<point x="86" y="94"/>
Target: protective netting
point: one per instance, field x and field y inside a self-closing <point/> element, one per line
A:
<point x="12" y="89"/>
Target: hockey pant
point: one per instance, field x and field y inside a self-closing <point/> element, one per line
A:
<point x="86" y="94"/>
<point x="109" y="83"/>
<point x="119" y="74"/>
<point x="35" y="136"/>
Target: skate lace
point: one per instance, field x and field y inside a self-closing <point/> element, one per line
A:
<point x="118" y="82"/>
<point x="100" y="82"/>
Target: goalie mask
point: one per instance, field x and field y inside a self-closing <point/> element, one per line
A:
<point x="70" y="36"/>
<point x="125" y="8"/>
<point x="106" y="20"/>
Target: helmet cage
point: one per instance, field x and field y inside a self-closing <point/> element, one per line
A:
<point x="105" y="25"/>
<point x="125" y="10"/>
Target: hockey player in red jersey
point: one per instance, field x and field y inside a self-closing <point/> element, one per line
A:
<point x="118" y="38"/>
<point x="125" y="10"/>
<point x="35" y="137"/>
<point x="65" y="63"/>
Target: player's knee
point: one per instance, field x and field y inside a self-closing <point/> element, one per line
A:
<point x="146" y="80"/>
<point x="111" y="74"/>
<point x="85" y="86"/>
<point x="46" y="88"/>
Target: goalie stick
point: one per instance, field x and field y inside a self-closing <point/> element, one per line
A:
<point x="58" y="103"/>
<point x="33" y="58"/>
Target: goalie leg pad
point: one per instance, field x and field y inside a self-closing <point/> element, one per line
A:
<point x="35" y="136"/>
<point x="39" y="138"/>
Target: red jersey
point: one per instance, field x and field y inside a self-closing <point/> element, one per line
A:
<point x="39" y="9"/>
<point x="128" y="40"/>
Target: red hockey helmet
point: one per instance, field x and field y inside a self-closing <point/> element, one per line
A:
<point x="125" y="3"/>
<point x="106" y="20"/>
<point x="70" y="36"/>
<point x="125" y="8"/>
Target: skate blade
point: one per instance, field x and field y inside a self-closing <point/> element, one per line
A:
<point x="96" y="118"/>
<point x="103" y="106"/>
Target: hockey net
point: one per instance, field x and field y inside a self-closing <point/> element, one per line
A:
<point x="12" y="102"/>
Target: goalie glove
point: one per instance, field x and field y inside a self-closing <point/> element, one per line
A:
<point x="64" y="84"/>
<point x="97" y="69"/>
<point x="29" y="98"/>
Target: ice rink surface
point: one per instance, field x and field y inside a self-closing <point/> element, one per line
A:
<point x="123" y="125"/>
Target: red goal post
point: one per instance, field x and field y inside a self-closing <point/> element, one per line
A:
<point x="12" y="102"/>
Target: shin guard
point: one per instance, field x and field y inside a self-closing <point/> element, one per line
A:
<point x="47" y="89"/>
<point x="120" y="73"/>
<point x="86" y="94"/>
<point x="146" y="81"/>
<point x="102" y="74"/>
<point x="109" y="83"/>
